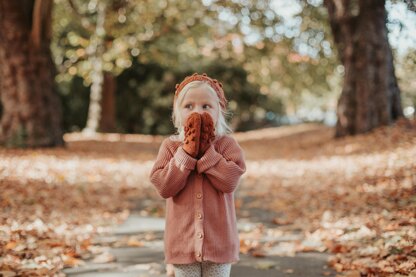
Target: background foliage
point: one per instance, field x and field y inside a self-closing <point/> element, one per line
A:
<point x="276" y="61"/>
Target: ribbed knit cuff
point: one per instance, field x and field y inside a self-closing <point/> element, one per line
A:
<point x="208" y="160"/>
<point x="184" y="159"/>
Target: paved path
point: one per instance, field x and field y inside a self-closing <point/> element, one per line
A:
<point x="147" y="260"/>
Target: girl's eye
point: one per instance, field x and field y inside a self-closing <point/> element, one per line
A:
<point x="188" y="106"/>
<point x="206" y="106"/>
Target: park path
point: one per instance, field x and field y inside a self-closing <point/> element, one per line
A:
<point x="146" y="259"/>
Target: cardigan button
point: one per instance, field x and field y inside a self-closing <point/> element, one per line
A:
<point x="199" y="195"/>
<point x="199" y="254"/>
<point x="199" y="215"/>
<point x="200" y="235"/>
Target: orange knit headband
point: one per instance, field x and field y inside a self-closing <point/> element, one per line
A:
<point x="217" y="86"/>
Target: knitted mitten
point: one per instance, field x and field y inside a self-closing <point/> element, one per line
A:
<point x="207" y="133"/>
<point x="192" y="134"/>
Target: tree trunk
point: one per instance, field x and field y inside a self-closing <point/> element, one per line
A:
<point x="370" y="96"/>
<point x="31" y="109"/>
<point x="97" y="74"/>
<point x="108" y="112"/>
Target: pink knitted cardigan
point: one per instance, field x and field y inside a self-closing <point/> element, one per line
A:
<point x="200" y="212"/>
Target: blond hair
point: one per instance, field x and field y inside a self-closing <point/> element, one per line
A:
<point x="221" y="127"/>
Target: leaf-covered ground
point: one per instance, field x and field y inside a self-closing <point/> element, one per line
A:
<point x="353" y="197"/>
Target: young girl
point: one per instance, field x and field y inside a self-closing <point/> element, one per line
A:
<point x="197" y="171"/>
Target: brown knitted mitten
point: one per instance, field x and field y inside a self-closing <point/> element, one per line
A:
<point x="207" y="133"/>
<point x="192" y="134"/>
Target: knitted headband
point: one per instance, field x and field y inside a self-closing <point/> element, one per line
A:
<point x="217" y="86"/>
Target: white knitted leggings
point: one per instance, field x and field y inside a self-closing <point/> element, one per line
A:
<point x="204" y="269"/>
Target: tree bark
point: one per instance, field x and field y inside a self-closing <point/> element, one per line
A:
<point x="97" y="47"/>
<point x="370" y="95"/>
<point x="31" y="108"/>
<point x="108" y="111"/>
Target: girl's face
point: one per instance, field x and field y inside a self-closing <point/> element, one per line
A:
<point x="199" y="100"/>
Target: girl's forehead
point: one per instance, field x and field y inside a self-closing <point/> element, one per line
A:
<point x="200" y="94"/>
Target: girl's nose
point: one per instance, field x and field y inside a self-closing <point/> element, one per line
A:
<point x="199" y="109"/>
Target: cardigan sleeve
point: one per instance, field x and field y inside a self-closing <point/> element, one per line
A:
<point x="171" y="169"/>
<point x="223" y="168"/>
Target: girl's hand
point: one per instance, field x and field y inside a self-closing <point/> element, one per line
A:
<point x="192" y="134"/>
<point x="207" y="133"/>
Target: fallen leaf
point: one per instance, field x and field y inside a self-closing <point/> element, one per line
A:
<point x="104" y="258"/>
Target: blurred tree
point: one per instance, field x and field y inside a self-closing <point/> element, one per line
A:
<point x="107" y="35"/>
<point x="97" y="49"/>
<point x="31" y="113"/>
<point x="287" y="59"/>
<point x="370" y="95"/>
<point x="285" y="50"/>
<point x="108" y="115"/>
<point x="182" y="35"/>
<point x="101" y="105"/>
